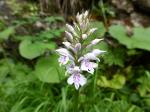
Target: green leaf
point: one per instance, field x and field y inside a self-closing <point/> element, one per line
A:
<point x="139" y="39"/>
<point x="6" y="33"/>
<point x="46" y="34"/>
<point x="50" y="45"/>
<point x="100" y="29"/>
<point x="117" y="82"/>
<point x="26" y="37"/>
<point x="115" y="56"/>
<point x="31" y="50"/>
<point x="144" y="87"/>
<point x="49" y="34"/>
<point x="57" y="32"/>
<point x="54" y="19"/>
<point x="48" y="70"/>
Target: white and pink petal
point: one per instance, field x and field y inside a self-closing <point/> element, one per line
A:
<point x="97" y="52"/>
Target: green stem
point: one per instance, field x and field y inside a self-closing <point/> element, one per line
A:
<point x="131" y="109"/>
<point x="76" y="99"/>
<point x="5" y="58"/>
<point x="104" y="14"/>
<point x="94" y="82"/>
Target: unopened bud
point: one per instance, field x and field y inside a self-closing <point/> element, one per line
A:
<point x="95" y="41"/>
<point x="69" y="36"/>
<point x="84" y="36"/>
<point x="92" y="31"/>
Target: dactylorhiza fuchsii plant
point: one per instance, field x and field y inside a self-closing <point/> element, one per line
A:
<point x="76" y="56"/>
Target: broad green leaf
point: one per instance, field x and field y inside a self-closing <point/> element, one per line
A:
<point x="50" y="45"/>
<point x="115" y="56"/>
<point x="99" y="33"/>
<point x="26" y="37"/>
<point x="49" y="34"/>
<point x="57" y="32"/>
<point x="48" y="70"/>
<point x="31" y="50"/>
<point x="117" y="82"/>
<point x="112" y="56"/>
<point x="140" y="38"/>
<point x="6" y="33"/>
<point x="46" y="34"/>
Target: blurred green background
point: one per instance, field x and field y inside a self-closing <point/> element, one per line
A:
<point x="30" y="77"/>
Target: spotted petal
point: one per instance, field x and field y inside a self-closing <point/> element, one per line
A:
<point x="70" y="80"/>
<point x="88" y="66"/>
<point x="77" y="80"/>
<point x="63" y="60"/>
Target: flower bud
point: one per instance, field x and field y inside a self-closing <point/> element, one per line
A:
<point x="71" y="29"/>
<point x="79" y="18"/>
<point x="67" y="44"/>
<point x="86" y="14"/>
<point x="76" y="26"/>
<point x="92" y="31"/>
<point x="84" y="36"/>
<point x="69" y="36"/>
<point x="97" y="52"/>
<point x="95" y="41"/>
<point x="78" y="47"/>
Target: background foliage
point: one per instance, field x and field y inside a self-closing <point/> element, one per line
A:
<point x="31" y="79"/>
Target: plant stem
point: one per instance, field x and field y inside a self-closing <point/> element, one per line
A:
<point x="131" y="109"/>
<point x="76" y="98"/>
<point x="104" y="14"/>
<point x="94" y="82"/>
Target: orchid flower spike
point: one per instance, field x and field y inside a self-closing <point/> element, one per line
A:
<point x="78" y="56"/>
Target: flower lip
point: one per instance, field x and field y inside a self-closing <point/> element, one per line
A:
<point x="88" y="66"/>
<point x="77" y="79"/>
<point x="70" y="67"/>
<point x="63" y="60"/>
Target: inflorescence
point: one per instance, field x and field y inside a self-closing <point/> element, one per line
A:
<point x="78" y="56"/>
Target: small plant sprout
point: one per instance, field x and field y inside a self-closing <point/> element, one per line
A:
<point x="78" y="56"/>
